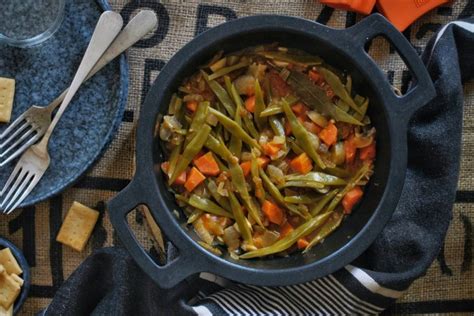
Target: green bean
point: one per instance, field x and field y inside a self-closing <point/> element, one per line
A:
<point x="235" y="144"/>
<point x="303" y="199"/>
<point x="228" y="86"/>
<point x="348" y="84"/>
<point x="302" y="184"/>
<point x="173" y="158"/>
<point x="302" y="136"/>
<point x="226" y="70"/>
<point x="277" y="126"/>
<point x="221" y="94"/>
<point x="194" y="216"/>
<point x="271" y="110"/>
<point x="338" y="172"/>
<point x="240" y="218"/>
<point x="316" y="209"/>
<point x="338" y="87"/>
<point x="320" y="177"/>
<point x="259" y="106"/>
<point x="287" y="241"/>
<point x="190" y="151"/>
<point x="218" y="147"/>
<point x="208" y="206"/>
<point x="250" y="127"/>
<point x="238" y="181"/>
<point x="276" y="194"/>
<point x="294" y="146"/>
<point x="235" y="129"/>
<point x="361" y="173"/>
<point x="198" y="120"/>
<point x="299" y="59"/>
<point x="221" y="200"/>
<point x="254" y="170"/>
<point x="329" y="226"/>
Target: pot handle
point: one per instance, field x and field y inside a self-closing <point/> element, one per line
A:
<point x="166" y="276"/>
<point x="422" y="90"/>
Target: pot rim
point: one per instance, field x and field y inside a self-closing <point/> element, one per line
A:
<point x="196" y="258"/>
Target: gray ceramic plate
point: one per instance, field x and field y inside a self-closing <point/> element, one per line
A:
<point x="93" y="117"/>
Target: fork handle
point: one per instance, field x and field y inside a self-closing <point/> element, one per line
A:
<point x="139" y="26"/>
<point x="106" y="30"/>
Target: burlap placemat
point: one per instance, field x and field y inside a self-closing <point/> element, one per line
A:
<point x="449" y="283"/>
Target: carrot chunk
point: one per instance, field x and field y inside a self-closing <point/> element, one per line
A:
<point x="350" y="149"/>
<point x="287" y="128"/>
<point x="246" y="165"/>
<point x="302" y="164"/>
<point x="194" y="179"/>
<point x="351" y="198"/>
<point x="329" y="134"/>
<point x="302" y="243"/>
<point x="285" y="230"/>
<point x="192" y="106"/>
<point x="250" y="104"/>
<point x="315" y="76"/>
<point x="367" y="153"/>
<point x="262" y="162"/>
<point x="272" y="212"/>
<point x="299" y="109"/>
<point x="180" y="180"/>
<point x="271" y="149"/>
<point x="207" y="165"/>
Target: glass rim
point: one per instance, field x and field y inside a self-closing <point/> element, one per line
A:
<point x="39" y="38"/>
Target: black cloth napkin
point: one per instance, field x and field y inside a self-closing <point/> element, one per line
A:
<point x="110" y="283"/>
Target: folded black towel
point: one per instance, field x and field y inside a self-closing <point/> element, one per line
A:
<point x="110" y="283"/>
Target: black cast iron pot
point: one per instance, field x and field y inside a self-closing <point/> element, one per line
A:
<point x="390" y="114"/>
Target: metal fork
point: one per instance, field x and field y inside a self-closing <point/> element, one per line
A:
<point x="35" y="161"/>
<point x="28" y="128"/>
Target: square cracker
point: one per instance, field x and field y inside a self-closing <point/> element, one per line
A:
<point x="7" y="92"/>
<point x="18" y="280"/>
<point x="6" y="312"/>
<point x="9" y="290"/>
<point x="9" y="262"/>
<point x="77" y="226"/>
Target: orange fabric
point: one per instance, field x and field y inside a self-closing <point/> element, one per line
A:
<point x="402" y="13"/>
<point x="360" y="6"/>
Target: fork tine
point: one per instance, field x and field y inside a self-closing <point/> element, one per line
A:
<point x="13" y="201"/>
<point x="16" y="133"/>
<point x="20" y="150"/>
<point x="20" y="180"/>
<point x="13" y="124"/>
<point x="11" y="178"/>
<point x="17" y="142"/>
<point x="30" y="188"/>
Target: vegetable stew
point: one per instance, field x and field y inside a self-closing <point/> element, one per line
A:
<point x="268" y="149"/>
